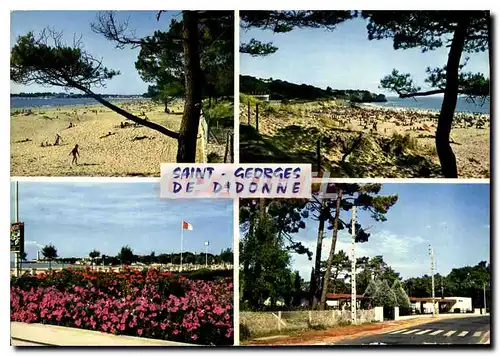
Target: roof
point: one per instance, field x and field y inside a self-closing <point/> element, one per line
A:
<point x="413" y="299"/>
<point x="336" y="296"/>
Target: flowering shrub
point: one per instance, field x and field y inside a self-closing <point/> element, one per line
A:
<point x="145" y="303"/>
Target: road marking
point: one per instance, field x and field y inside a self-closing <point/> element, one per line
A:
<point x="423" y="332"/>
<point x="463" y="333"/>
<point x="399" y="331"/>
<point x="477" y="334"/>
<point x="411" y="331"/>
<point x="449" y="333"/>
<point x="437" y="332"/>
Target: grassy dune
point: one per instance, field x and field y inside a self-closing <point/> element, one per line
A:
<point x="390" y="142"/>
<point x="129" y="151"/>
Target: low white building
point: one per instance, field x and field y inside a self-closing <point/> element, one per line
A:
<point x="444" y="305"/>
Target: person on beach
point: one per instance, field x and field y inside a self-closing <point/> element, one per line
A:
<point x="75" y="153"/>
<point x="58" y="139"/>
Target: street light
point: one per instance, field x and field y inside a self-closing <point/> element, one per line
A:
<point x="206" y="253"/>
<point x="431" y="253"/>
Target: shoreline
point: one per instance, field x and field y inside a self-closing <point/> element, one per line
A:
<point x="78" y="106"/>
<point x="419" y="110"/>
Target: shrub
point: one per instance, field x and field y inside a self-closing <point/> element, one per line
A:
<point x="145" y="303"/>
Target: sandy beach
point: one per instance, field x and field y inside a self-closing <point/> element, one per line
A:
<point x="296" y="128"/>
<point x="106" y="148"/>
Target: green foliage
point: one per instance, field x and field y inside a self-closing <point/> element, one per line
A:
<point x="288" y="215"/>
<point x="126" y="255"/>
<point x="213" y="157"/>
<point x="371" y="289"/>
<point x="208" y="274"/>
<point x="94" y="254"/>
<point x="286" y="21"/>
<point x="36" y="61"/>
<point x="401" y="296"/>
<point x="49" y="252"/>
<point x="257" y="48"/>
<point x="384" y="296"/>
<point x="266" y="272"/>
<point x="429" y="30"/>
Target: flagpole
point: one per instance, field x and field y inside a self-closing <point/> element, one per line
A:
<point x="182" y="238"/>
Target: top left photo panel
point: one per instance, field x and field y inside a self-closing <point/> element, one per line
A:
<point x="117" y="93"/>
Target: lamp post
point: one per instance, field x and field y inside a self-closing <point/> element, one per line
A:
<point x="431" y="253"/>
<point x="206" y="253"/>
<point x="353" y="267"/>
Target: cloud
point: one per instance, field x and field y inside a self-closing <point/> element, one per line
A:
<point x="403" y="253"/>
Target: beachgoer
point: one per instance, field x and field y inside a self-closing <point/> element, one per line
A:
<point x="75" y="153"/>
<point x="58" y="138"/>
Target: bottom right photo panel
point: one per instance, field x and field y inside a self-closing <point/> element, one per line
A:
<point x="367" y="264"/>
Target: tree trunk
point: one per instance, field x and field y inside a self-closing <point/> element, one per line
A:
<point x="126" y="114"/>
<point x="324" y="292"/>
<point x="186" y="151"/>
<point x="444" y="150"/>
<point x="317" y="264"/>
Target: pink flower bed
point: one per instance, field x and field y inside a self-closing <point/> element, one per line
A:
<point x="197" y="312"/>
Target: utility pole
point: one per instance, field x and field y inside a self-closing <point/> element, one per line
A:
<point x="206" y="253"/>
<point x="353" y="267"/>
<point x="484" y="296"/>
<point x="16" y="217"/>
<point x="182" y="239"/>
<point x="431" y="253"/>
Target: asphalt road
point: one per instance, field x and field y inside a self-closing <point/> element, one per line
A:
<point x="466" y="330"/>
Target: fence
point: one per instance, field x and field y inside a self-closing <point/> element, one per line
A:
<point x="204" y="138"/>
<point x="263" y="323"/>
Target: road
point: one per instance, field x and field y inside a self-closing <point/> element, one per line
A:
<point x="465" y="330"/>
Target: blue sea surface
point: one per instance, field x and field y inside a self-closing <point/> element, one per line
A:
<point x="434" y="103"/>
<point x="24" y="103"/>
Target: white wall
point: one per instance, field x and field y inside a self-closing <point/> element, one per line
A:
<point x="461" y="303"/>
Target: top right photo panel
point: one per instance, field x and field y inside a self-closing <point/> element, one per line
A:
<point x="358" y="94"/>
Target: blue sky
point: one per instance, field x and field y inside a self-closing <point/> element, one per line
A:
<point x="78" y="217"/>
<point x="342" y="59"/>
<point x="453" y="218"/>
<point x="78" y="22"/>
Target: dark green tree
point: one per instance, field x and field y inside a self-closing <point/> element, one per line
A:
<point x="297" y="289"/>
<point x="266" y="273"/>
<point x="384" y="296"/>
<point x="285" y="21"/>
<point x="372" y="288"/>
<point x="363" y="196"/>
<point x="46" y="60"/>
<point x="50" y="254"/>
<point x="23" y="256"/>
<point x="460" y="31"/>
<point x="93" y="255"/>
<point x="401" y="297"/>
<point x="126" y="255"/>
<point x="340" y="263"/>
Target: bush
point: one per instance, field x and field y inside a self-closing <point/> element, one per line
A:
<point x="245" y="333"/>
<point x="205" y="274"/>
<point x="145" y="303"/>
<point x="214" y="157"/>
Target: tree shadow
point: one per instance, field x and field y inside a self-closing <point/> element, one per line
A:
<point x="256" y="148"/>
<point x="89" y="164"/>
<point x="375" y="156"/>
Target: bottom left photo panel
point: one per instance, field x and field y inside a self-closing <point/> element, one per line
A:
<point x="112" y="264"/>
